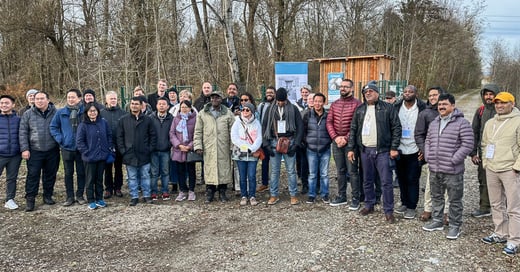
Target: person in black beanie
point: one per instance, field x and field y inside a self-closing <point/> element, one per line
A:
<point x="90" y="96"/>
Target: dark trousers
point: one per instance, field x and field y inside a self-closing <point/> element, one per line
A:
<point x="94" y="180"/>
<point x="484" y="204"/>
<point x="377" y="163"/>
<point x="71" y="158"/>
<point x="114" y="179"/>
<point x="302" y="166"/>
<point x="265" y="168"/>
<point x="344" y="167"/>
<point x="42" y="164"/>
<point x="186" y="169"/>
<point x="409" y="173"/>
<point x="11" y="165"/>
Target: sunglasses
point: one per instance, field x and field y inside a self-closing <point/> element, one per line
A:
<point x="246" y="110"/>
<point x="244" y="100"/>
<point x="388" y="97"/>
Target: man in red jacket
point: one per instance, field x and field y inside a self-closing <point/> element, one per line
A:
<point x="338" y="125"/>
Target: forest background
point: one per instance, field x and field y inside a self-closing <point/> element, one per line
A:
<point x="55" y="45"/>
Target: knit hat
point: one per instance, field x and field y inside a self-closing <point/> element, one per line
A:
<point x="89" y="91"/>
<point x="281" y="94"/>
<point x="371" y="86"/>
<point x="31" y="91"/>
<point x="250" y="106"/>
<point x="504" y="97"/>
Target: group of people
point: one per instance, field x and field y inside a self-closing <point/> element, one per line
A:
<point x="158" y="136"/>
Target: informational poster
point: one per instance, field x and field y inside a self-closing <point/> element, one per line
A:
<point x="291" y="76"/>
<point x="333" y="83"/>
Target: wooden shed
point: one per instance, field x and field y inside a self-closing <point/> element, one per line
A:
<point x="361" y="69"/>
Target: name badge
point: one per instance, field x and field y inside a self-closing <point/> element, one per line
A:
<point x="490" y="151"/>
<point x="281" y="126"/>
<point x="406" y="133"/>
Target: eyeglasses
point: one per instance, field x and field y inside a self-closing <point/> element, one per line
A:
<point x="244" y="100"/>
<point x="246" y="110"/>
<point x="388" y="97"/>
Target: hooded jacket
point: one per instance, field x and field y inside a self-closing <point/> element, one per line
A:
<point x="94" y="140"/>
<point x="445" y="152"/>
<point x="503" y="131"/>
<point x="240" y="138"/>
<point x="9" y="129"/>
<point x="481" y="116"/>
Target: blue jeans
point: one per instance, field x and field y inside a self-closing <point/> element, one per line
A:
<point x="143" y="172"/>
<point x="247" y="173"/>
<point x="377" y="163"/>
<point x="290" y="166"/>
<point x="318" y="165"/>
<point x="160" y="166"/>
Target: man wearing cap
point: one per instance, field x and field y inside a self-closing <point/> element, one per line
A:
<point x="162" y="86"/>
<point x="10" y="157"/>
<point x="339" y="121"/>
<point x="376" y="132"/>
<point x="212" y="139"/>
<point x="283" y="120"/>
<point x="481" y="116"/>
<point x="136" y="139"/>
<point x="30" y="100"/>
<point x="501" y="160"/>
<point x="448" y="142"/>
<point x="63" y="129"/>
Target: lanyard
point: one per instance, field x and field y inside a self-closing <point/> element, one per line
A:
<point x="499" y="127"/>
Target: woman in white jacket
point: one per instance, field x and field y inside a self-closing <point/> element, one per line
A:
<point x="246" y="135"/>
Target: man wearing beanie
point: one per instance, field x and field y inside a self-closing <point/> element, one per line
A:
<point x="90" y="96"/>
<point x="30" y="101"/>
<point x="63" y="129"/>
<point x="283" y="120"/>
<point x="376" y="132"/>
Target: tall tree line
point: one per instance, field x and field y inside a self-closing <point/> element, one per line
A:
<point x="105" y="44"/>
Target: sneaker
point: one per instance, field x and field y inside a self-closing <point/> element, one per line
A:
<point x="81" y="200"/>
<point x="310" y="200"/>
<point x="11" y="205"/>
<point x="366" y="211"/>
<point x="243" y="201"/>
<point x="134" y="201"/>
<point x="510" y="249"/>
<point x="433" y="226"/>
<point x="493" y="239"/>
<point x="191" y="196"/>
<point x="253" y="201"/>
<point x="165" y="196"/>
<point x="119" y="193"/>
<point x="338" y="201"/>
<point x="108" y="194"/>
<point x="92" y="206"/>
<point x="401" y="210"/>
<point x="354" y="205"/>
<point x="101" y="203"/>
<point x="480" y="213"/>
<point x="148" y="200"/>
<point x="262" y="188"/>
<point x="453" y="233"/>
<point x="409" y="214"/>
<point x="181" y="197"/>
<point x="154" y="197"/>
<point x="273" y="200"/>
<point x="294" y="200"/>
<point x="325" y="200"/>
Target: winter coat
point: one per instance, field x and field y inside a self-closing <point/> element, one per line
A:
<point x="423" y="122"/>
<point x="339" y="117"/>
<point x="136" y="138"/>
<point x="61" y="128"/>
<point x="481" y="116"/>
<point x="506" y="140"/>
<point x="388" y="128"/>
<point x="316" y="136"/>
<point x="112" y="116"/>
<point x="94" y="140"/>
<point x="233" y="103"/>
<point x="445" y="153"/>
<point x="241" y="141"/>
<point x="176" y="136"/>
<point x="213" y="136"/>
<point x="9" y="135"/>
<point x="162" y="129"/>
<point x="35" y="131"/>
<point x="201" y="102"/>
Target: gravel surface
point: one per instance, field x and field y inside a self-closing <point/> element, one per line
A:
<point x="191" y="236"/>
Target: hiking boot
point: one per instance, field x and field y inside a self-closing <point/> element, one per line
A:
<point x="68" y="202"/>
<point x="409" y="214"/>
<point x="262" y="188"/>
<point x="165" y="196"/>
<point x="401" y="210"/>
<point x="433" y="226"/>
<point x="480" y="213"/>
<point x="425" y="216"/>
<point x="81" y="200"/>
<point x="48" y="200"/>
<point x="29" y="204"/>
<point x="338" y="201"/>
<point x="273" y="200"/>
<point x="134" y="201"/>
<point x="354" y="206"/>
<point x="101" y="203"/>
<point x="191" y="196"/>
<point x="222" y="195"/>
<point x="453" y="233"/>
<point x="510" y="249"/>
<point x="181" y="197"/>
<point x="366" y="211"/>
<point x="493" y="239"/>
<point x="243" y="201"/>
<point x="92" y="206"/>
<point x="310" y="200"/>
<point x="294" y="200"/>
<point x="210" y="195"/>
<point x="253" y="201"/>
<point x="390" y="218"/>
<point x="119" y="193"/>
<point x="148" y="200"/>
<point x="11" y="205"/>
<point x="107" y="195"/>
<point x="305" y="189"/>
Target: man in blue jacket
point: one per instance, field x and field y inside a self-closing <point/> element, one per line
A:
<point x="10" y="157"/>
<point x="63" y="130"/>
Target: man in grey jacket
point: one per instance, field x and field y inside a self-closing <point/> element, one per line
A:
<point x="39" y="149"/>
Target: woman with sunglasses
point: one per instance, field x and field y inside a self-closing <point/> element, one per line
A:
<point x="246" y="136"/>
